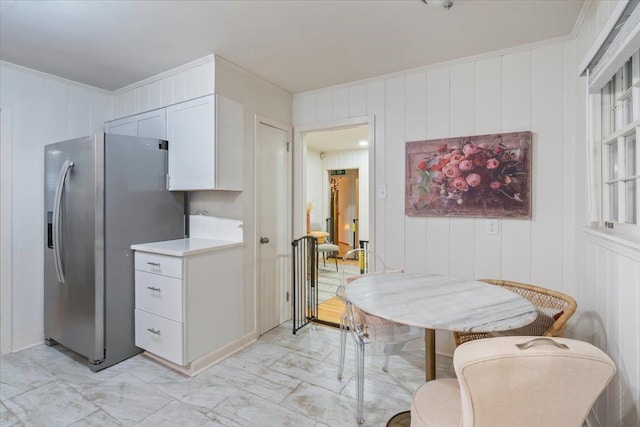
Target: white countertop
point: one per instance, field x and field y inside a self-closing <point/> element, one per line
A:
<point x="185" y="247"/>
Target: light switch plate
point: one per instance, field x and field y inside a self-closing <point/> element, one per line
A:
<point x="381" y="191"/>
<point x="491" y="226"/>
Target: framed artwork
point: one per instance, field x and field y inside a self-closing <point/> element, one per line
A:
<point x="485" y="176"/>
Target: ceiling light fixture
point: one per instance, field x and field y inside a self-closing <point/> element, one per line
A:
<point x="445" y="4"/>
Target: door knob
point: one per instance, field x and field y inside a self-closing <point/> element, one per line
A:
<point x="264" y="240"/>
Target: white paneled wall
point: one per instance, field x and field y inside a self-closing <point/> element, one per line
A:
<point x="415" y="130"/>
<point x="533" y="89"/>
<point x="607" y="285"/>
<point x="44" y="109"/>
<point x="315" y="175"/>
<point x="516" y="114"/>
<point x="435" y="258"/>
<point x="515" y="92"/>
<point x="519" y="91"/>
<point x="547" y="123"/>
<point x="609" y="318"/>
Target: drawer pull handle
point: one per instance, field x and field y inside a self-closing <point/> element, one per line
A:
<point x="153" y="288"/>
<point x="153" y="331"/>
<point x="153" y="264"/>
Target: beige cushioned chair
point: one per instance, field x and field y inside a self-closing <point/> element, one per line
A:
<point x="502" y="385"/>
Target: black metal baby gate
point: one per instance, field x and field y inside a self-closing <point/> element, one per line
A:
<point x="305" y="281"/>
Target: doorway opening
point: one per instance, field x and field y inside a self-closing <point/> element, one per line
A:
<point x="343" y="220"/>
<point x="336" y="197"/>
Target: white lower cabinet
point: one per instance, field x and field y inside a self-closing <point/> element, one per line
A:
<point x="160" y="336"/>
<point x="188" y="306"/>
<point x="160" y="295"/>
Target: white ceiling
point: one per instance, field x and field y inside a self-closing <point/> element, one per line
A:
<point x="298" y="45"/>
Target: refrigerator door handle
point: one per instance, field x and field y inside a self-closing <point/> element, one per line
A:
<point x="57" y="212"/>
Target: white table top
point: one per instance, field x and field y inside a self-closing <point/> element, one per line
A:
<point x="440" y="302"/>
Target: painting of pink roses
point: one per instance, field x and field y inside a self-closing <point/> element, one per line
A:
<point x="473" y="176"/>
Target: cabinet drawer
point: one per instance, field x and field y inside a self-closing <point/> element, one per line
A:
<point x="159" y="264"/>
<point x="159" y="336"/>
<point x="160" y="295"/>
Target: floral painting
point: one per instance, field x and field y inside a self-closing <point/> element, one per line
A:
<point x="474" y="176"/>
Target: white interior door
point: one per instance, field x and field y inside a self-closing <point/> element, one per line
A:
<point x="273" y="202"/>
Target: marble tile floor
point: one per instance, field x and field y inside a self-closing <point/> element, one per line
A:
<point x="281" y="380"/>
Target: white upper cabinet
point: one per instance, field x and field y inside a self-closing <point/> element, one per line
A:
<point x="127" y="126"/>
<point x="151" y="124"/>
<point x="206" y="137"/>
<point x="205" y="131"/>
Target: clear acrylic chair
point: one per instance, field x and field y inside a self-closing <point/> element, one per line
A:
<point x="365" y="328"/>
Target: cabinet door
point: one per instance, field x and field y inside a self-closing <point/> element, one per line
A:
<point x="159" y="336"/>
<point x="191" y="135"/>
<point x="152" y="124"/>
<point x="127" y="126"/>
<point x="159" y="295"/>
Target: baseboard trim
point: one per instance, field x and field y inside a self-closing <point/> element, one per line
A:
<point x="24" y="341"/>
<point x="204" y="362"/>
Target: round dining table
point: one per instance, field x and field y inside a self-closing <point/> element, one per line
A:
<point x="433" y="301"/>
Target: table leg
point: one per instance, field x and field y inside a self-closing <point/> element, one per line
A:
<point x="403" y="419"/>
<point x="430" y="354"/>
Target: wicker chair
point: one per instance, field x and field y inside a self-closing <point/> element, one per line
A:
<point x="554" y="309"/>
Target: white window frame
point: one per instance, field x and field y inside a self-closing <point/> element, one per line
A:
<point x="610" y="132"/>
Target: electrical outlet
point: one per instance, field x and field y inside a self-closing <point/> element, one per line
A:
<point x="491" y="226"/>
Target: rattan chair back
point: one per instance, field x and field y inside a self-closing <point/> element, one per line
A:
<point x="554" y="309"/>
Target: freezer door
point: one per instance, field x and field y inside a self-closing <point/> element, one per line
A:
<point x="71" y="316"/>
<point x="138" y="209"/>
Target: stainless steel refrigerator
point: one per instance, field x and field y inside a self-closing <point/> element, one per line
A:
<point x="103" y="193"/>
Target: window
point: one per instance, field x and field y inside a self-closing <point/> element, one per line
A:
<point x="620" y="129"/>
